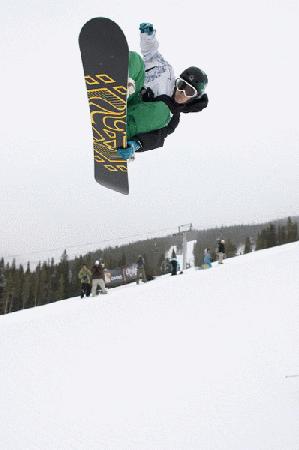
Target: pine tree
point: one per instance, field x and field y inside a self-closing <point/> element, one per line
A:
<point x="44" y="284"/>
<point x="162" y="266"/>
<point x="267" y="237"/>
<point x="230" y="249"/>
<point x="2" y="287"/>
<point x="260" y="241"/>
<point x="28" y="291"/>
<point x="19" y="282"/>
<point x="63" y="277"/>
<point x="271" y="236"/>
<point x="61" y="287"/>
<point x="292" y="231"/>
<point x="248" y="247"/>
<point x="54" y="284"/>
<point x="123" y="260"/>
<point x="281" y="235"/>
<point x="36" y="285"/>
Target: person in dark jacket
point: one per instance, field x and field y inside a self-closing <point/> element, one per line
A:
<point x="174" y="266"/>
<point x="85" y="279"/>
<point x="98" y="278"/>
<point x="221" y="251"/>
<point x="140" y="270"/>
<point x="156" y="97"/>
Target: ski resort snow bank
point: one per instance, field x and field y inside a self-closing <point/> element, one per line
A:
<point x="197" y="361"/>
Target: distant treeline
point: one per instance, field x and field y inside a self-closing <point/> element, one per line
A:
<point x="241" y="239"/>
<point x="21" y="287"/>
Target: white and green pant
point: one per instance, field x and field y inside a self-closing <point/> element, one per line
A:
<point x="98" y="282"/>
<point x="141" y="274"/>
<point x="220" y="257"/>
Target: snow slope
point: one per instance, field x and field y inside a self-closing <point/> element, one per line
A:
<point x="193" y="362"/>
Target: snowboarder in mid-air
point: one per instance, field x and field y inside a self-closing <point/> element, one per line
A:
<point x="135" y="101"/>
<point x="156" y="98"/>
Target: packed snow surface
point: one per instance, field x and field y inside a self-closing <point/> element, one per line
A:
<point x="193" y="362"/>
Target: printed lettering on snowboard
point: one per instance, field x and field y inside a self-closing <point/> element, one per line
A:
<point x="108" y="103"/>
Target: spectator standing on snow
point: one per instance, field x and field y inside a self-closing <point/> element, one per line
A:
<point x="85" y="279"/>
<point x="221" y="251"/>
<point x="140" y="269"/>
<point x="174" y="266"/>
<point x="98" y="278"/>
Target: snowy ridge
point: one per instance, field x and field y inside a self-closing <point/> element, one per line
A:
<point x="191" y="362"/>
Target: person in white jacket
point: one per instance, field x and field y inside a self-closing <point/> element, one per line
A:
<point x="159" y="74"/>
<point x="156" y="98"/>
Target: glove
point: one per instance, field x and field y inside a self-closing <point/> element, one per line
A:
<point x="127" y="153"/>
<point x="204" y="100"/>
<point x="147" y="94"/>
<point x="146" y="28"/>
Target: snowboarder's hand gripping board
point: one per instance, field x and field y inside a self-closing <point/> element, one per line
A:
<point x="105" y="56"/>
<point x="129" y="152"/>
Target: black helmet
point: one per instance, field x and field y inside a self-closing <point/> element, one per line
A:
<point x="196" y="77"/>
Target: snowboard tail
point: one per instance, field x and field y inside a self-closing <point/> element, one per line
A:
<point x="105" y="55"/>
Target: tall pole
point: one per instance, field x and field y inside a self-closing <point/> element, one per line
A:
<point x="183" y="229"/>
<point x="184" y="249"/>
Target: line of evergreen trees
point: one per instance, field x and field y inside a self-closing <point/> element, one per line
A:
<point x="277" y="235"/>
<point x="22" y="288"/>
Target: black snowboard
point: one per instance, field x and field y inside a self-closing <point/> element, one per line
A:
<point x="105" y="56"/>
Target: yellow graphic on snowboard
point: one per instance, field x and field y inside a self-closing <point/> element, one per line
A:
<point x="108" y="104"/>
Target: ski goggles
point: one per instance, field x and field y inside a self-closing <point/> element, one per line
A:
<point x="189" y="90"/>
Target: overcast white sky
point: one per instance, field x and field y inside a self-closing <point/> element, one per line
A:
<point x="235" y="162"/>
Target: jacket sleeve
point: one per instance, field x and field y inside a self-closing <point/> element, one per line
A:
<point x="159" y="73"/>
<point x="155" y="139"/>
<point x="149" y="46"/>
